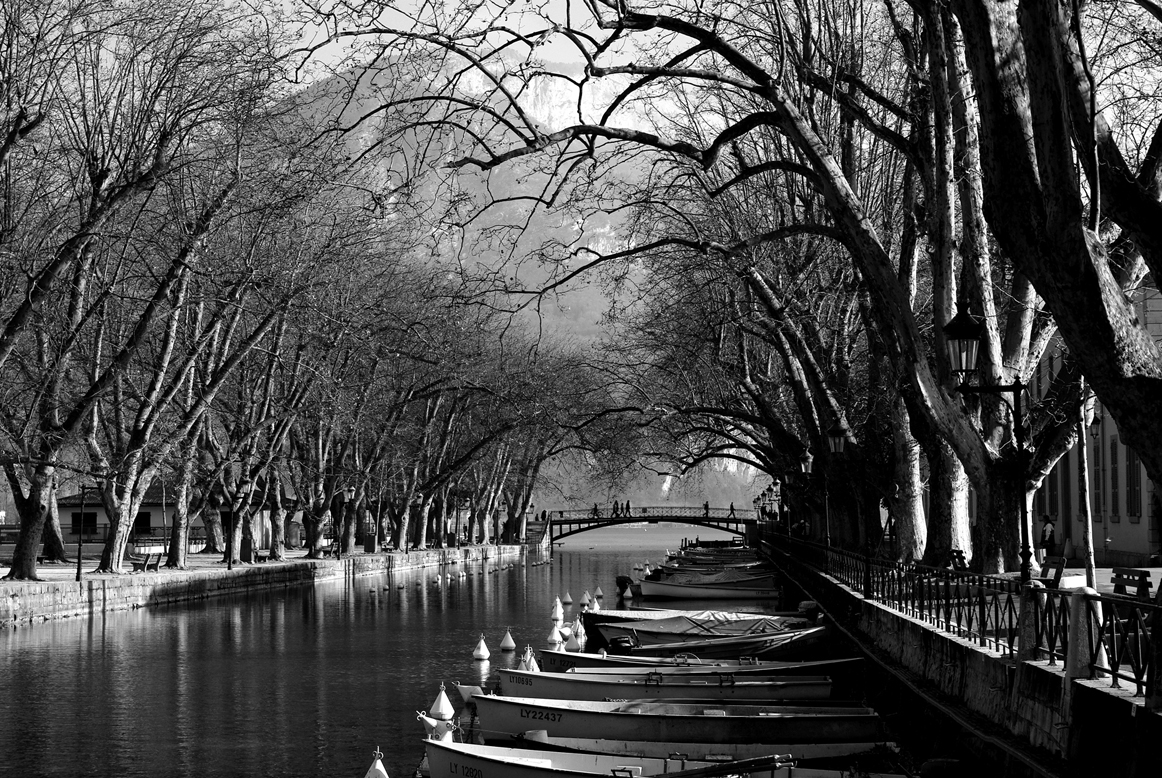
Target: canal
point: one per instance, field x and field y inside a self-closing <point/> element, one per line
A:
<point x="303" y="681"/>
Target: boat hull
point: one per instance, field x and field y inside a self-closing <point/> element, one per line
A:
<point x="578" y="686"/>
<point x="710" y="752"/>
<point x="796" y="643"/>
<point x="680" y="591"/>
<point x="560" y="662"/>
<point x="678" y="630"/>
<point x="465" y="760"/>
<point x="501" y="717"/>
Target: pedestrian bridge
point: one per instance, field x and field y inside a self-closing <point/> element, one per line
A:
<point x="562" y="524"/>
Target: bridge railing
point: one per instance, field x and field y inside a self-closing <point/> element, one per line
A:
<point x="652" y="513"/>
<point x="1114" y="633"/>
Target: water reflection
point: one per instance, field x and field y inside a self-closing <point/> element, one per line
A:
<point x="301" y="681"/>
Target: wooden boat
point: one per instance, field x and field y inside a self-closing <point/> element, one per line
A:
<point x="825" y="667"/>
<point x="693" y="591"/>
<point x="560" y="661"/>
<point x="794" y="643"/>
<point x="447" y="758"/>
<point x="465" y="759"/>
<point x="703" y="624"/>
<point x="711" y="752"/>
<point x="579" y="686"/>
<point x="501" y="717"/>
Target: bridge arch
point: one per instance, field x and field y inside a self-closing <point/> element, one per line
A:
<point x="707" y="523"/>
<point x="563" y="524"/>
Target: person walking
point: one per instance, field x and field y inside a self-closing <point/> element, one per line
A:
<point x="731" y="514"/>
<point x="706" y="509"/>
<point x="615" y="510"/>
<point x="1048" y="538"/>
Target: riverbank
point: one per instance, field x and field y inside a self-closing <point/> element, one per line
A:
<point x="59" y="596"/>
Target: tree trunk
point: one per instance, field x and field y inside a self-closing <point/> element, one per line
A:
<point x="53" y="549"/>
<point x="906" y="506"/>
<point x="350" y="515"/>
<point x="948" y="526"/>
<point x="996" y="536"/>
<point x="212" y="521"/>
<point x="278" y="516"/>
<point x="313" y="529"/>
<point x="179" y="544"/>
<point x="33" y="509"/>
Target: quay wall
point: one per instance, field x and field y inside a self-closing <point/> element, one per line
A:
<point x="1027" y="715"/>
<point x="24" y="602"/>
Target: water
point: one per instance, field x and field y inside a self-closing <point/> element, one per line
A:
<point x="303" y="681"/>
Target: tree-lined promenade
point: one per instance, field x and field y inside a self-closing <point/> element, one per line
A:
<point x="290" y="260"/>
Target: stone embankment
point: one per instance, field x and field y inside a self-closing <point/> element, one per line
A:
<point x="60" y="597"/>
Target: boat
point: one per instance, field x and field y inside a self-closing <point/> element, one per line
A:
<point x="791" y="644"/>
<point x="824" y="667"/>
<point x="698" y="625"/>
<point x="695" y="591"/>
<point x="560" y="662"/>
<point x="500" y="717"/>
<point x="474" y="761"/>
<point x="711" y="752"/>
<point x="579" y="686"/>
<point x="447" y="758"/>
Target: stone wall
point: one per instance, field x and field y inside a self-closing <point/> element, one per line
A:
<point x="1028" y="713"/>
<point x="25" y="602"/>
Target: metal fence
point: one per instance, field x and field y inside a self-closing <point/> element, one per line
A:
<point x="1116" y="632"/>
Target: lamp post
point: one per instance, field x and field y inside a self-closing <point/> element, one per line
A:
<point x="963" y="334"/>
<point x="81" y="533"/>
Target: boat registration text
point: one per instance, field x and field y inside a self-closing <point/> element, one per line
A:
<point x="540" y="715"/>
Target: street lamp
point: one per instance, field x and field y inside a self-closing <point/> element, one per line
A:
<point x="964" y="333"/>
<point x="836" y="442"/>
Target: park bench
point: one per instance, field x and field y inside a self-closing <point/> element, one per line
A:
<point x="1131" y="582"/>
<point x="1052" y="571"/>
<point x="145" y="563"/>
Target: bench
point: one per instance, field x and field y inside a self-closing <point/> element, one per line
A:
<point x="1052" y="571"/>
<point x="145" y="563"/>
<point x="1131" y="582"/>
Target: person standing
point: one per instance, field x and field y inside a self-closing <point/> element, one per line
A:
<point x="1048" y="538"/>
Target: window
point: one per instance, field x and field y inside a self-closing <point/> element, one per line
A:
<point x="1039" y="505"/>
<point x="141" y="524"/>
<point x="1066" y="488"/>
<point x="1099" y="475"/>
<point x="1133" y="486"/>
<point x="1115" y="514"/>
<point x="90" y="523"/>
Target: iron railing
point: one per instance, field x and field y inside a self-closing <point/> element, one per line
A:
<point x="1116" y="631"/>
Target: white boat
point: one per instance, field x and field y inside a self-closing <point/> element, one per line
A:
<point x="704" y="624"/>
<point x="710" y="752"/>
<point x="824" y="667"/>
<point x="447" y="758"/>
<point x="579" y="686"/>
<point x="473" y="761"/>
<point x="793" y="643"/>
<point x="693" y="591"/>
<point x="502" y="717"/>
<point x="558" y="662"/>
